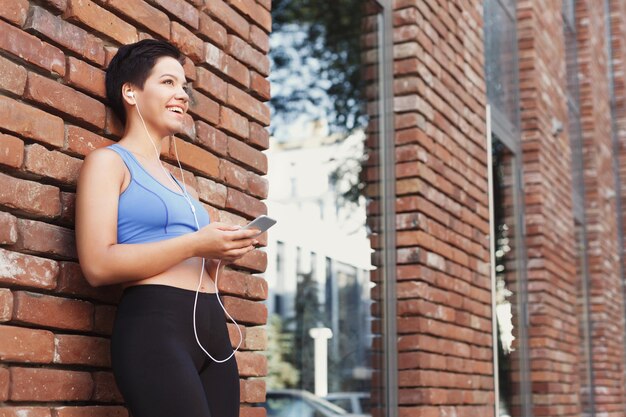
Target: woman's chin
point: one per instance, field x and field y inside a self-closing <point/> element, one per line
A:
<point x="175" y="128"/>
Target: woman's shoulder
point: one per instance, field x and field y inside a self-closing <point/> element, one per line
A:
<point x="103" y="160"/>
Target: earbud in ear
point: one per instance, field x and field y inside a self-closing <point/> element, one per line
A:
<point x="130" y="94"/>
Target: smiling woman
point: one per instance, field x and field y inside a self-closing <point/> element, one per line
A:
<point x="137" y="226"/>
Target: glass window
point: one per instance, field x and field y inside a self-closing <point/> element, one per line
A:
<point x="509" y="289"/>
<point x="501" y="60"/>
<point x="324" y="82"/>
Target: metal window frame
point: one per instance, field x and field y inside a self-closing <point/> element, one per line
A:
<point x="615" y="148"/>
<point x="388" y="196"/>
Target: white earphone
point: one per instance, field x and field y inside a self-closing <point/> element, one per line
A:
<point x="193" y="211"/>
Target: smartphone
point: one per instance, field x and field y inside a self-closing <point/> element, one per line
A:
<point x="262" y="223"/>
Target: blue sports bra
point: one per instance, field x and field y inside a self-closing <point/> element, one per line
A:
<point x="148" y="211"/>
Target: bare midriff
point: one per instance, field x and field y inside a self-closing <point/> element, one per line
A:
<point x="185" y="275"/>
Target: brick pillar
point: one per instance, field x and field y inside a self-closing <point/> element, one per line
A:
<point x="444" y="287"/>
<point x="553" y="334"/>
<point x="607" y="310"/>
<point x="54" y="336"/>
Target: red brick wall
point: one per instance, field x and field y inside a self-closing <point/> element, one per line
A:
<point x="553" y="334"/>
<point x="443" y="282"/>
<point x="607" y="310"/>
<point x="54" y="331"/>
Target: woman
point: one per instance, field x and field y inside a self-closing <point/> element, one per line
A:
<point x="137" y="226"/>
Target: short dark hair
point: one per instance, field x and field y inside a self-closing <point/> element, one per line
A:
<point x="132" y="64"/>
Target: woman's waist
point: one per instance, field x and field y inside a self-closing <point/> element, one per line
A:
<point x="185" y="275"/>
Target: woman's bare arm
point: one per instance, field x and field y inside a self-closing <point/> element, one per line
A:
<point x="104" y="261"/>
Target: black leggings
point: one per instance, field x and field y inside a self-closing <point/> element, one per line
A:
<point x="158" y="366"/>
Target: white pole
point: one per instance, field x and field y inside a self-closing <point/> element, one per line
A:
<point x="320" y="336"/>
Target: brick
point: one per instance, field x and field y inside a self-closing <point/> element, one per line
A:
<point x="26" y="270"/>
<point x="260" y="86"/>
<point x="23" y="411"/>
<point x="212" y="192"/>
<point x="213" y="56"/>
<point x="68" y="206"/>
<point x="81" y="350"/>
<point x="244" y="204"/>
<point x="66" y="100"/>
<point x="12" y="77"/>
<point x="6" y="304"/>
<point x="251" y="157"/>
<point x="260" y="39"/>
<point x="252" y="390"/>
<point x="38" y="384"/>
<point x="11" y="151"/>
<point x="91" y="411"/>
<point x="188" y="129"/>
<point x="245" y="285"/>
<point x="5" y="382"/>
<point x="54" y="312"/>
<point x="113" y="126"/>
<point x="14" y="11"/>
<point x="229" y="17"/>
<point x="30" y="49"/>
<point x="29" y="122"/>
<point x="43" y="23"/>
<point x="258" y="186"/>
<point x="85" y="77"/>
<point x="187" y="42"/>
<point x="181" y="10"/>
<point x="211" y="138"/>
<point x="71" y="281"/>
<point x="26" y="345"/>
<point x="245" y="311"/>
<point x="245" y="53"/>
<point x="45" y="239"/>
<point x="249" y="105"/>
<point x="101" y="20"/>
<point x="263" y="17"/>
<point x="251" y="364"/>
<point x="104" y="318"/>
<point x="211" y="84"/>
<point x="195" y="158"/>
<point x="255" y="261"/>
<point x="51" y="164"/>
<point x="234" y="175"/>
<point x="141" y="13"/>
<point x="244" y="7"/>
<point x="81" y="141"/>
<point x="236" y="71"/>
<point x="253" y="412"/>
<point x="203" y="107"/>
<point x="105" y="389"/>
<point x="234" y="123"/>
<point x="256" y="338"/>
<point x="29" y="196"/>
<point x="212" y="31"/>
<point x="259" y="136"/>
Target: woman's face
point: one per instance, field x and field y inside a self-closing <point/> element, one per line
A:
<point x="163" y="101"/>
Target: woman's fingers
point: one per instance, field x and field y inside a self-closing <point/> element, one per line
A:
<point x="235" y="254"/>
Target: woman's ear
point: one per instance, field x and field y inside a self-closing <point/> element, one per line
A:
<point x="128" y="95"/>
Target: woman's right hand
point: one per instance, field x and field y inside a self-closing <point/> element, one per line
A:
<point x="224" y="241"/>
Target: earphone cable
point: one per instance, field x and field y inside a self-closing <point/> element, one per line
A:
<point x="193" y="211"/>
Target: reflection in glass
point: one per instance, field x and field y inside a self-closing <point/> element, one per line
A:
<point x="501" y="59"/>
<point x="322" y="181"/>
<point x="507" y="283"/>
